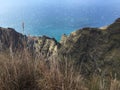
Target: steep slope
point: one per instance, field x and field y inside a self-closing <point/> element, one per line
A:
<point x="12" y="41"/>
<point x="9" y="38"/>
<point x="43" y="45"/>
<point x="95" y="50"/>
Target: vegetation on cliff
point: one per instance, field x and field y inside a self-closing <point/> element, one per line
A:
<point x="87" y="59"/>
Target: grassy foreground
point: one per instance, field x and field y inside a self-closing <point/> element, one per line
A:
<point x="23" y="73"/>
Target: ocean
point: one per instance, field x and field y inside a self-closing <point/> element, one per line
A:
<point x="55" y="20"/>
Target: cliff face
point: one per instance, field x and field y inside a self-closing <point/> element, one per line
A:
<point x="45" y="46"/>
<point x="9" y="38"/>
<point x="95" y="50"/>
<point x="12" y="40"/>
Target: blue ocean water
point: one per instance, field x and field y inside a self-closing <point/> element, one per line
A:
<point x="56" y="20"/>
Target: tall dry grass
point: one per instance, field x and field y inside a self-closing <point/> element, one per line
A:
<point x="21" y="72"/>
<point x="24" y="73"/>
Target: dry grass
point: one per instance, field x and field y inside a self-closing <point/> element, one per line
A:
<point x="115" y="85"/>
<point x="23" y="73"/>
<point x="38" y="74"/>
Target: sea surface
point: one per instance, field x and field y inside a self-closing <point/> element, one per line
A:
<point x="56" y="20"/>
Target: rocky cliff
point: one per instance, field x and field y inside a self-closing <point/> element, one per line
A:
<point x="12" y="41"/>
<point x="94" y="50"/>
<point x="9" y="38"/>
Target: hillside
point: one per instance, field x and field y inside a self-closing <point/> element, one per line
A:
<point x="94" y="50"/>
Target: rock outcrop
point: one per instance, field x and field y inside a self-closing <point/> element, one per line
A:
<point x="45" y="46"/>
<point x="10" y="40"/>
<point x="94" y="49"/>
